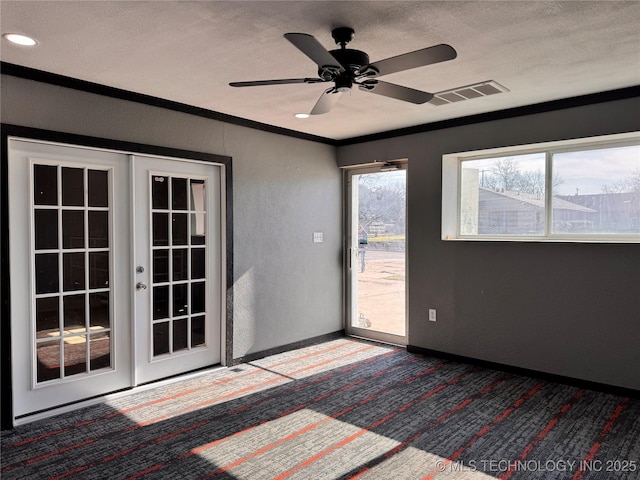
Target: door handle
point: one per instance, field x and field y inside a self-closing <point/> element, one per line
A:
<point x="140" y="286"/>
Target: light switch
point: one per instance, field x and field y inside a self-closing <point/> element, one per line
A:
<point x="318" y="237"/>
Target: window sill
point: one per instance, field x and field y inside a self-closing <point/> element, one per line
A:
<point x="550" y="239"/>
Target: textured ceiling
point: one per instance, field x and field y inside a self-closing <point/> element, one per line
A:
<point x="188" y="52"/>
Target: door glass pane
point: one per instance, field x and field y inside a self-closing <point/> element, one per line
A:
<point x="159" y="193"/>
<point x="48" y="359"/>
<point x="45" y="185"/>
<point x="180" y="306"/>
<point x="180" y="264"/>
<point x="197" y="263"/>
<point x="179" y="229"/>
<point x="160" y="229"/>
<point x="72" y="186"/>
<point x="73" y="271"/>
<point x="179" y="193"/>
<point x="198" y="195"/>
<point x="160" y="302"/>
<point x="99" y="310"/>
<point x="46" y="229"/>
<point x="72" y="229"/>
<point x="197" y="331"/>
<point x="180" y="335"/>
<point x="100" y="350"/>
<point x="198" y="228"/>
<point x="47" y="317"/>
<point x="160" y="338"/>
<point x="98" y="229"/>
<point x="197" y="297"/>
<point x="75" y="355"/>
<point x="74" y="318"/>
<point x="98" y="270"/>
<point x="378" y="242"/>
<point x="47" y="278"/>
<point x="98" y="188"/>
<point x="160" y="266"/>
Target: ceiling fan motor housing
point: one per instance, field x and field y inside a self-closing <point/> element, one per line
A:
<point x="350" y="59"/>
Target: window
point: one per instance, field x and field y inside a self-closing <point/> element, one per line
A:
<point x="579" y="190"/>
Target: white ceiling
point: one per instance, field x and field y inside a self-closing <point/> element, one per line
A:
<point x="188" y="52"/>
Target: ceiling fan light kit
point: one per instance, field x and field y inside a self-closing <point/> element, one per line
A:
<point x="346" y="67"/>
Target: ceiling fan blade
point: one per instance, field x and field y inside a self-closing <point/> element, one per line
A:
<point x="326" y="102"/>
<point x="398" y="92"/>
<point x="313" y="49"/>
<point x="419" y="58"/>
<point x="284" y="81"/>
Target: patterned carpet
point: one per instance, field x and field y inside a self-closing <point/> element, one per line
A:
<point x="342" y="409"/>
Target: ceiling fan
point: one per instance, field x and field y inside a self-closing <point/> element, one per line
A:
<point x="346" y="67"/>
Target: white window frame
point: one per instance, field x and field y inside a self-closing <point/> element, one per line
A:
<point x="451" y="189"/>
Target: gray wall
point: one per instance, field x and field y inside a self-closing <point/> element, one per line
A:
<point x="286" y="288"/>
<point x="562" y="308"/>
<point x="568" y="309"/>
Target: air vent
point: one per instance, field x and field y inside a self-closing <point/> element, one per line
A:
<point x="468" y="92"/>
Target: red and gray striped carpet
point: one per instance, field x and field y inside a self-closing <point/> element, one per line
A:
<point x="338" y="410"/>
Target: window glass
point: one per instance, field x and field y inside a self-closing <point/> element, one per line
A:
<point x="503" y="195"/>
<point x="598" y="191"/>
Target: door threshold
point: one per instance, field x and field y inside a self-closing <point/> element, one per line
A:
<point x="384" y="342"/>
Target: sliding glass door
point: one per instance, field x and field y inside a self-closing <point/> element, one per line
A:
<point x="376" y="253"/>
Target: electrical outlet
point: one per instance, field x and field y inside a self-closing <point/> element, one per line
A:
<point x="318" y="237"/>
<point x="432" y="314"/>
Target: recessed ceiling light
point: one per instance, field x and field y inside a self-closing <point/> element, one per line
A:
<point x="302" y="115"/>
<point x="18" y="39"/>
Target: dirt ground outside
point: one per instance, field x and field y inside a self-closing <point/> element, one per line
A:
<point x="381" y="292"/>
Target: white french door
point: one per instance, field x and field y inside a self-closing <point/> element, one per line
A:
<point x="178" y="266"/>
<point x="115" y="269"/>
